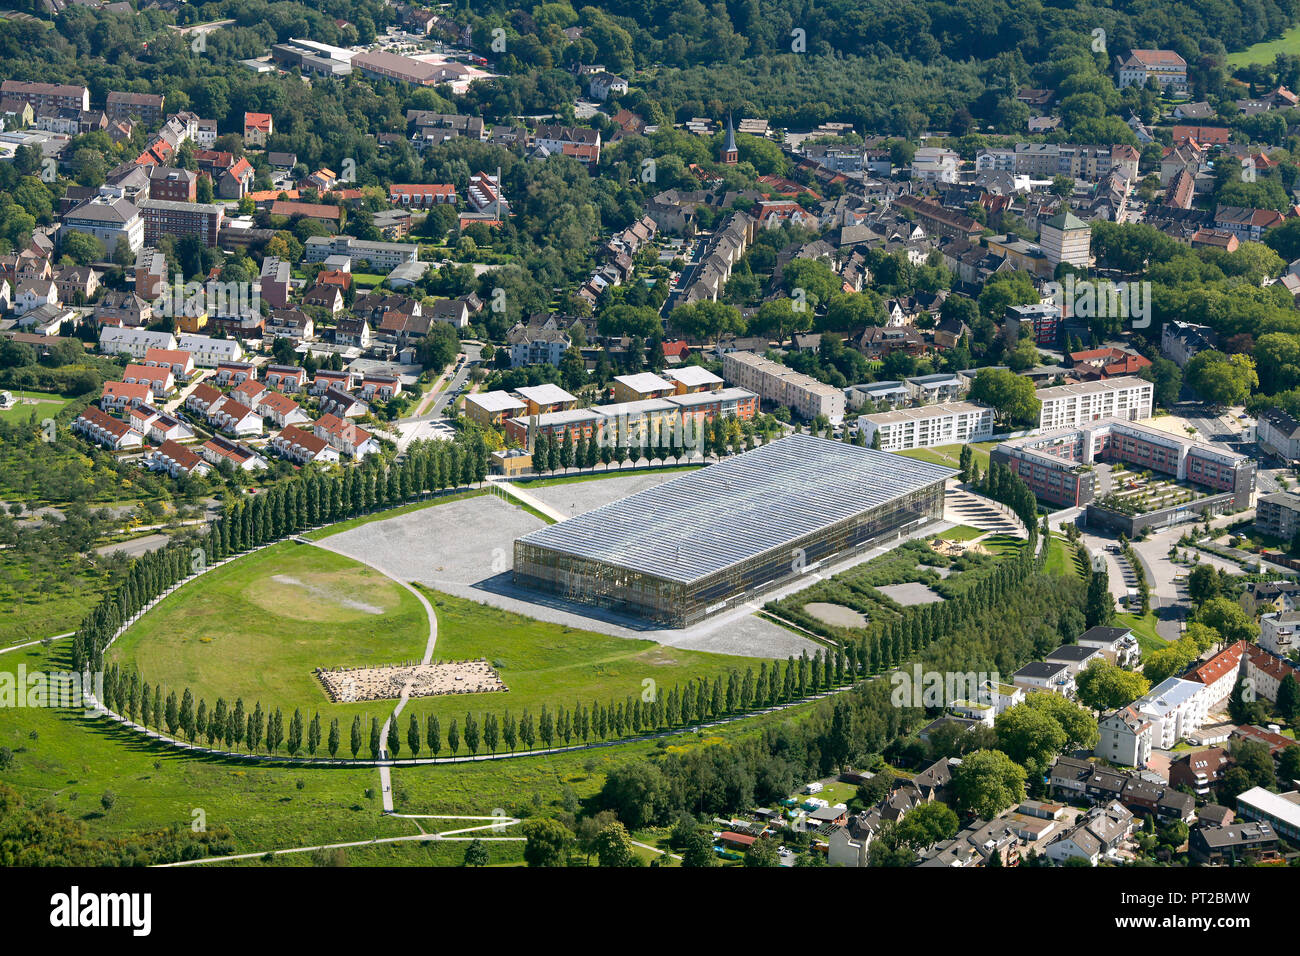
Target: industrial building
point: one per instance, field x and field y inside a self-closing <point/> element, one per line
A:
<point x="711" y="538"/>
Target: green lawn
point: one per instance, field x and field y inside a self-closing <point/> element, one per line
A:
<point x="950" y="455"/>
<point x="1144" y="629"/>
<point x="963" y="532"/>
<point x="47" y="405"/>
<point x="551" y="664"/>
<point x="1264" y="52"/>
<point x="1061" y="557"/>
<point x="257" y="627"/>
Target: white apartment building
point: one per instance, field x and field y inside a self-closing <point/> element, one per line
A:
<point x="1069" y="406"/>
<point x="934" y="164"/>
<point x="382" y="256"/>
<point x="1175" y="708"/>
<point x="1125" y="737"/>
<point x="781" y="385"/>
<point x="955" y="423"/>
<point x="1278" y="632"/>
<point x="115" y="339"/>
<point x="109" y="220"/>
<point x="209" y="352"/>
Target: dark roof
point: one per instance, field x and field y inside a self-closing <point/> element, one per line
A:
<point x="1072" y="652"/>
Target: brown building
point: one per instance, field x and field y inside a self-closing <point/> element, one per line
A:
<point x="147" y="107"/>
<point x="164" y="217"/>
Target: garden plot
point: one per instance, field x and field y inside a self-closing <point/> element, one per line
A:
<point x="1141" y="492"/>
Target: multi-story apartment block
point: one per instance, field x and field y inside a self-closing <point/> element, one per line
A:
<point x="1278" y="515"/>
<point x="47" y="97"/>
<point x="382" y="256"/>
<point x="1069" y="406"/>
<point x="164" y="217"/>
<point x="781" y="385"/>
<point x="109" y="220"/>
<point x="1279" y="632"/>
<point x="953" y="424"/>
<point x="146" y="107"/>
<point x="1057" y="464"/>
<point x="114" y="340"/>
<point x="173" y="185"/>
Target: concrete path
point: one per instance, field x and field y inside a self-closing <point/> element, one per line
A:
<point x="524" y="497"/>
<point x="497" y="823"/>
<point x="385" y="777"/>
<point x="19" y="647"/>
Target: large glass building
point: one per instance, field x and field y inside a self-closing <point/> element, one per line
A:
<point x="708" y="539"/>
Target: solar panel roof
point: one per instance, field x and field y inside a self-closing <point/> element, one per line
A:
<point x="705" y="521"/>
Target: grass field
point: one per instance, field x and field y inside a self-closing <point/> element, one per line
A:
<point x="950" y="455"/>
<point x="257" y="627"/>
<point x="1288" y="42"/>
<point x="1061" y="557"/>
<point x="963" y="532"/>
<point x="68" y="762"/>
<point x="545" y="663"/>
<point x="46" y="405"/>
<point x="1144" y="629"/>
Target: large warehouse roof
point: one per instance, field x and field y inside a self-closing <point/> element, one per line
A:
<point x="705" y="521"/>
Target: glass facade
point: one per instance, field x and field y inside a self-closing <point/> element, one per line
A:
<point x="672" y="603"/>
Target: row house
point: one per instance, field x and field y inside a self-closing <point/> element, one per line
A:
<point x="328" y="378"/>
<point x="301" y="446"/>
<point x="345" y="436"/>
<point x="234" y="373"/>
<point x="164" y="427"/>
<point x="235" y="418"/>
<point x="175" y="459"/>
<point x="344" y="404"/>
<point x="179" y="361"/>
<point x="219" y="449"/>
<point x="383" y="387"/>
<point x="158" y="377"/>
<point x="119" y="395"/>
<point x="286" y="378"/>
<point x="115" y="435"/>
<point x="281" y="409"/>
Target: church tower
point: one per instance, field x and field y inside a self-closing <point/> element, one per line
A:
<point x="730" y="155"/>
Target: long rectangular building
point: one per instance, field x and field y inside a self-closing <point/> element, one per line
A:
<point x="955" y="423"/>
<point x="636" y="424"/>
<point x="782" y="385"/>
<point x="1070" y="406"/>
<point x="695" y="544"/>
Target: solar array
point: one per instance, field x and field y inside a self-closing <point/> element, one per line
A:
<point x="706" y="521"/>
